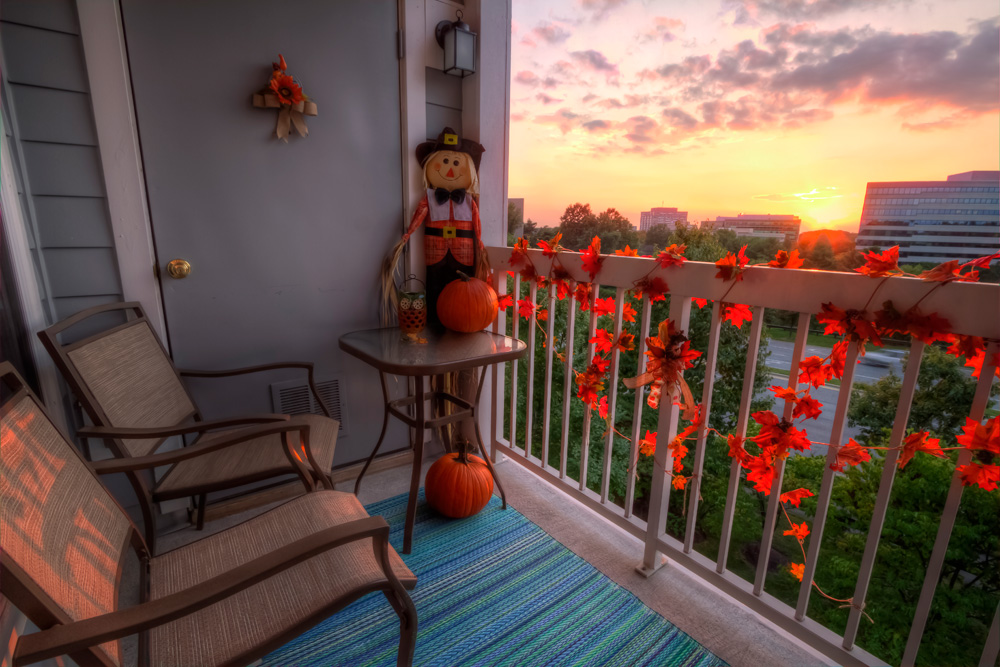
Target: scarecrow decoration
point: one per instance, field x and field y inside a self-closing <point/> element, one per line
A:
<point x="284" y="94"/>
<point x="450" y="215"/>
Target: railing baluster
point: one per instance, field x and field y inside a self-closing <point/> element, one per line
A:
<point x="666" y="430"/>
<point x="499" y="326"/>
<point x="884" y="491"/>
<point x="585" y="441"/>
<point x="948" y="516"/>
<point x="609" y="438"/>
<point x="698" y="465"/>
<point x="513" y="364"/>
<point x="568" y="392"/>
<point x="992" y="648"/>
<point x="829" y="475"/>
<point x="735" y="472"/>
<point x="637" y="410"/>
<point x="530" y="360"/>
<point x="773" y="500"/>
<point x="547" y="401"/>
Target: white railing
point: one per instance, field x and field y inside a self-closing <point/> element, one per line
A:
<point x="971" y="309"/>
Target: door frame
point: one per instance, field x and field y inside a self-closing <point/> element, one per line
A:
<point x="110" y="83"/>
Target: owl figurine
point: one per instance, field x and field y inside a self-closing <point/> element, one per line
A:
<point x="411" y="312"/>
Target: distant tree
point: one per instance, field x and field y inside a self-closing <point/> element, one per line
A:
<point x="579" y="225"/>
<point x="821" y="256"/>
<point x="515" y="219"/>
<point x="658" y="236"/>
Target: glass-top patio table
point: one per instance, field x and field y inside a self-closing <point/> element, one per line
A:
<point x="447" y="352"/>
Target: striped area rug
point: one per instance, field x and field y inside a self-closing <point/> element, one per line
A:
<point x="495" y="589"/>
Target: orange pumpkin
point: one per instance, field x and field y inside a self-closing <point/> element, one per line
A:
<point x="467" y="304"/>
<point x="458" y="485"/>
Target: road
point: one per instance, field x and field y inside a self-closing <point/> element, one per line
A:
<point x="819" y="429"/>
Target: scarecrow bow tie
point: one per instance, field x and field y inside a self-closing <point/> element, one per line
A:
<point x="442" y="196"/>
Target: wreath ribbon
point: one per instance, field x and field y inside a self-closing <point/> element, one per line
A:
<point x="289" y="115"/>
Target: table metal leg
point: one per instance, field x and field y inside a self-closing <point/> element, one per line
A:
<point x="381" y="436"/>
<point x="418" y="457"/>
<point x="479" y="437"/>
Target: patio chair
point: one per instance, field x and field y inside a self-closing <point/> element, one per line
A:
<point x="133" y="393"/>
<point x="226" y="599"/>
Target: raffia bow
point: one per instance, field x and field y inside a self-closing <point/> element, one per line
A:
<point x="289" y="115"/>
<point x="669" y="355"/>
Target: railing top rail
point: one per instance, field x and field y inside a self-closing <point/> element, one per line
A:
<point x="972" y="309"/>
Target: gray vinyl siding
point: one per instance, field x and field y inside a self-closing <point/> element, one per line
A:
<point x="49" y="118"/>
<point x="444" y="102"/>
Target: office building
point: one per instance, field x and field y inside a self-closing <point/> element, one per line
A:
<point x="934" y="221"/>
<point x="661" y="216"/>
<point x="783" y="227"/>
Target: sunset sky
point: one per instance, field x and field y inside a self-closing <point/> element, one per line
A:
<point x="721" y="107"/>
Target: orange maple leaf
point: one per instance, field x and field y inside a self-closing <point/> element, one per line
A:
<point x="879" y="265"/>
<point x="550" y="248"/>
<point x="787" y="393"/>
<point x="795" y="497"/>
<point x="600" y="364"/>
<point x="655" y="288"/>
<point x="732" y="266"/>
<point x="807" y="407"/>
<point x="797" y="570"/>
<point x="813" y="371"/>
<point x="736" y="449"/>
<point x="947" y="272"/>
<point x="604" y="306"/>
<point x="851" y="454"/>
<point x="672" y="255"/>
<point x="680" y="481"/>
<point x="919" y="442"/>
<point x="736" y="314"/>
<point x="627" y="252"/>
<point x="542" y="315"/>
<point x="582" y="295"/>
<point x="525" y="308"/>
<point x="986" y="476"/>
<point x="602" y="341"/>
<point x="799" y="531"/>
<point x="786" y="260"/>
<point x="647" y="446"/>
<point x="628" y="312"/>
<point x="625" y="342"/>
<point x="761" y="473"/>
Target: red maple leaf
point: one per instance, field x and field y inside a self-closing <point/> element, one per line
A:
<point x="851" y="454"/>
<point x="701" y="303"/>
<point x="787" y="393"/>
<point x="927" y="328"/>
<point x="602" y="407"/>
<point x="986" y="476"/>
<point x="655" y="287"/>
<point x="761" y="473"/>
<point x="814" y="372"/>
<point x="834" y="318"/>
<point x="592" y="259"/>
<point x="966" y="346"/>
<point x="542" y="315"/>
<point x="672" y="255"/>
<point x="919" y="442"/>
<point x="582" y="295"/>
<point x="797" y="570"/>
<point x="879" y="265"/>
<point x="983" y="262"/>
<point x="505" y="301"/>
<point x="600" y="364"/>
<point x="627" y="252"/>
<point x="838" y="358"/>
<point x="586" y="393"/>
<point x="680" y="481"/>
<point x="736" y="314"/>
<point x="604" y="306"/>
<point x="736" y="450"/>
<point x="647" y="446"/>
<point x="947" y="272"/>
<point x="628" y="312"/>
<point x="984" y="436"/>
<point x="679" y="463"/>
<point x="519" y="254"/>
<point x="550" y="248"/>
<point x="786" y="260"/>
<point x="807" y="407"/>
<point x="602" y="341"/>
<point x="525" y="308"/>
<point x="799" y="531"/>
<point x="795" y="497"/>
<point x="732" y="266"/>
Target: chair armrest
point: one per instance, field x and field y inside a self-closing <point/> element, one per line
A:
<point x="113" y="432"/>
<point x="307" y="365"/>
<point x="194" y="373"/>
<point x="236" y="437"/>
<point x="78" y="635"/>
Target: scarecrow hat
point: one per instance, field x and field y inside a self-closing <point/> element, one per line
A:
<point x="449" y="140"/>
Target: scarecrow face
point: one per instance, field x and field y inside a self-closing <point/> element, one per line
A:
<point x="450" y="170"/>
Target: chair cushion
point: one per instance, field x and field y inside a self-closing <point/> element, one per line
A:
<point x="242" y="623"/>
<point x="257" y="458"/>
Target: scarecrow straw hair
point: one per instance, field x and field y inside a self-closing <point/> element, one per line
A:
<point x="390" y="300"/>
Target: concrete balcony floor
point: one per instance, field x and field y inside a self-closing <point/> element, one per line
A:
<point x="725" y="627"/>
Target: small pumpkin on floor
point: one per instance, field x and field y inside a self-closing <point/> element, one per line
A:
<point x="459" y="484"/>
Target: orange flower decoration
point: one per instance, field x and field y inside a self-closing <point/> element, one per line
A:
<point x="286" y="89"/>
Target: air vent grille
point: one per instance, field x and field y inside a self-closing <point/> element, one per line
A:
<point x="295" y="398"/>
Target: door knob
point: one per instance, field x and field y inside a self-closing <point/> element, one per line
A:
<point x="178" y="268"/>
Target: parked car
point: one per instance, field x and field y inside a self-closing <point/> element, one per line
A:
<point x="883" y="357"/>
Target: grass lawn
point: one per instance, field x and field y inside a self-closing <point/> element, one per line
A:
<point x="821" y="340"/>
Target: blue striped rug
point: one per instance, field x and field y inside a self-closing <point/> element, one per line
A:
<point x="495" y="589"/>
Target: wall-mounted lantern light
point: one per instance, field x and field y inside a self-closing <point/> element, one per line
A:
<point x="459" y="44"/>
